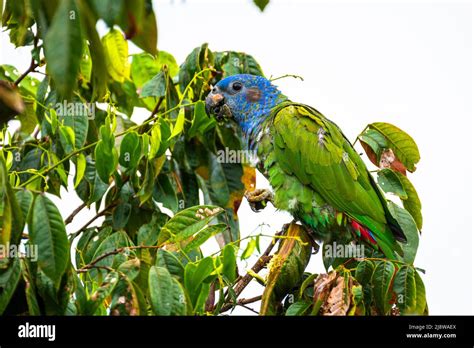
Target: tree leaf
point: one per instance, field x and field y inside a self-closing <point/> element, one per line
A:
<point x="286" y="268"/>
<point x="201" y="121"/>
<point x="116" y="55"/>
<point x="408" y="225"/>
<point x="229" y="262"/>
<point x="188" y="222"/>
<point x="104" y="291"/>
<point x="298" y="308"/>
<point x="364" y="271"/>
<point x="63" y="47"/>
<point x="381" y="280"/>
<point x="389" y="181"/>
<point x="9" y="279"/>
<point x="161" y="290"/>
<point x="47" y="231"/>
<point x="202" y="236"/>
<point x="421" y="306"/>
<point x="405" y="288"/>
<point x="249" y="249"/>
<point x="261" y="4"/>
<point x="130" y="150"/>
<point x="178" y="126"/>
<point x="168" y="260"/>
<point x="156" y="87"/>
<point x="400" y="142"/>
<point x="412" y="202"/>
<point x="130" y="268"/>
<point x="12" y="220"/>
<point x="80" y="169"/>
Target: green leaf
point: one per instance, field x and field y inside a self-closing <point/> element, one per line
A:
<point x="165" y="193"/>
<point x="121" y="215"/>
<point x="298" y="308"/>
<point x="47" y="231"/>
<point x="232" y="63"/>
<point x="146" y="189"/>
<point x="412" y="202"/>
<point x="194" y="276"/>
<point x="309" y="281"/>
<point x="116" y="55"/>
<point x="106" y="157"/>
<point x="99" y="69"/>
<point x="155" y="141"/>
<point x="79" y="123"/>
<point x="381" y="279"/>
<point x="364" y="271"/>
<point x="67" y="138"/>
<point x="188" y="222"/>
<point x="408" y="225"/>
<point x="156" y="87"/>
<point x="421" y="306"/>
<point x="202" y="236"/>
<point x="12" y="220"/>
<point x="63" y="47"/>
<point x="405" y="288"/>
<point x="161" y="290"/>
<point x="261" y="4"/>
<point x="400" y="142"/>
<point x="168" y="260"/>
<point x="130" y="150"/>
<point x="130" y="268"/>
<point x="229" y="262"/>
<point x="80" y="169"/>
<point x="201" y="121"/>
<point x="389" y="181"/>
<point x="24" y="199"/>
<point x="249" y="249"/>
<point x="127" y="299"/>
<point x="108" y="10"/>
<point x="113" y="242"/>
<point x="145" y="66"/>
<point x="104" y="291"/>
<point x="9" y="279"/>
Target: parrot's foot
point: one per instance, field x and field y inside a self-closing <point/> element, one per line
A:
<point x="259" y="198"/>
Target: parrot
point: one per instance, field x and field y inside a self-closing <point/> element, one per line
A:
<point x="313" y="170"/>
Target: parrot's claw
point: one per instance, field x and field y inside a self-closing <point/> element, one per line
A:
<point x="258" y="198"/>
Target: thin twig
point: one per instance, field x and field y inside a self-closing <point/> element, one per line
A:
<point x="287" y="75"/>
<point x="114" y="252"/>
<point x="99" y="214"/>
<point x="74" y="213"/>
<point x="32" y="67"/>
<point x="257" y="267"/>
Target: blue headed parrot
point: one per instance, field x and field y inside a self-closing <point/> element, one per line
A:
<point x="315" y="173"/>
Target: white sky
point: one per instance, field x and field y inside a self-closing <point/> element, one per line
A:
<point x="407" y="63"/>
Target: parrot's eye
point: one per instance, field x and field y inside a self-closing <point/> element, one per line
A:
<point x="237" y="86"/>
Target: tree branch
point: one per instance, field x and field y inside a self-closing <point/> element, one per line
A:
<point x="257" y="267"/>
<point x="74" y="213"/>
<point x="32" y="67"/>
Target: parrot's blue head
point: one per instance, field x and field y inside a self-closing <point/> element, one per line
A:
<point x="247" y="99"/>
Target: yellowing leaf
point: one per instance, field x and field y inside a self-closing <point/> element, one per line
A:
<point x="179" y="125"/>
<point x="116" y="55"/>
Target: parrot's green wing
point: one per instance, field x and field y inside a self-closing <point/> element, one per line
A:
<point x="314" y="150"/>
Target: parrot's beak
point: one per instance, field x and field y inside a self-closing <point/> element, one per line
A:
<point x="215" y="105"/>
